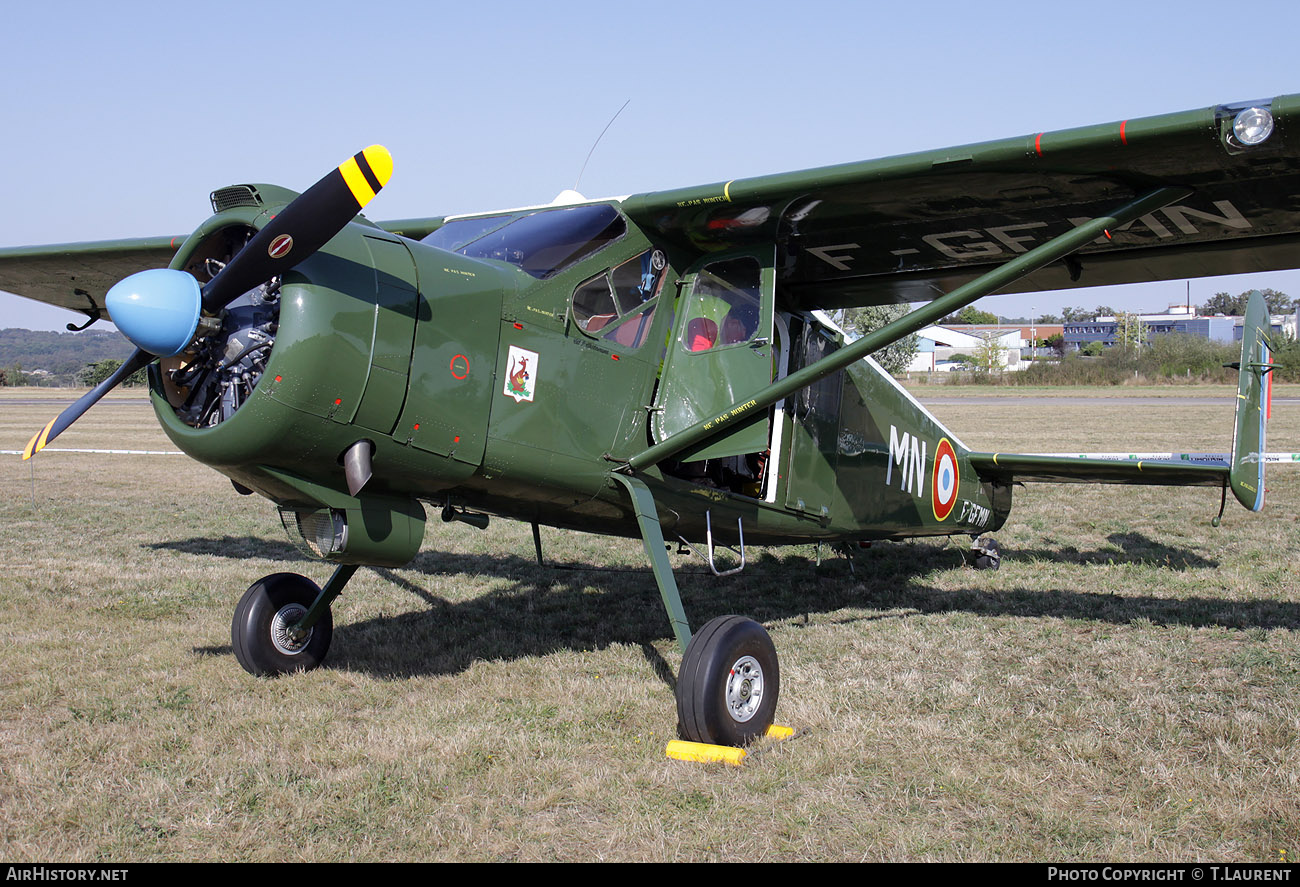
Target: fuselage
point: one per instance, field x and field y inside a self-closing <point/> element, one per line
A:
<point x="508" y="363"/>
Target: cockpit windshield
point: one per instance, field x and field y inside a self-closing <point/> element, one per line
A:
<point x="542" y="243"/>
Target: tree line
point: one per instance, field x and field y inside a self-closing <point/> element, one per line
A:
<point x="43" y="357"/>
<point x="88" y="376"/>
<point x="1219" y="303"/>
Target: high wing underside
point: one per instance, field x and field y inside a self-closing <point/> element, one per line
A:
<point x="77" y="275"/>
<point x="911" y="228"/>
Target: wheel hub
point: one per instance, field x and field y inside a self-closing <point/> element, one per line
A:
<point x="281" y="635"/>
<point x="744" y="689"/>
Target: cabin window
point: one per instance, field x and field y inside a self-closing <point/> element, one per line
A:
<point x="593" y="305"/>
<point x="541" y="243"/>
<point x="723" y="306"/>
<point x="619" y="305"/>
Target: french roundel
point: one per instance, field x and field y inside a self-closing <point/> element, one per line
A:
<point x="945" y="480"/>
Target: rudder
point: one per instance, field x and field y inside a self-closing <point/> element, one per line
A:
<point x="1254" y="403"/>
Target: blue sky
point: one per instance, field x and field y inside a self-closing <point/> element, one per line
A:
<point x="119" y="119"/>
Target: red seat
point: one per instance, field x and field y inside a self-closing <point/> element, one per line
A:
<point x="701" y="334"/>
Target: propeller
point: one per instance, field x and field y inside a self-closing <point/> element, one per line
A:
<point x="159" y="310"/>
<point x="56" y="425"/>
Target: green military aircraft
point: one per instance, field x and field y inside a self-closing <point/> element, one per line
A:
<point x="656" y="366"/>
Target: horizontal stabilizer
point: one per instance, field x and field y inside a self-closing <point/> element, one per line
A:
<point x="1242" y="469"/>
<point x="1022" y="467"/>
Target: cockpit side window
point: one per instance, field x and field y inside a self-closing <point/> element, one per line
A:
<point x="454" y="236"/>
<point x="619" y="304"/>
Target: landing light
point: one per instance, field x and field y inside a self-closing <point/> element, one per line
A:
<point x="1252" y="126"/>
<point x="316" y="532"/>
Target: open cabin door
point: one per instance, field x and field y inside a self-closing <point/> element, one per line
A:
<point x="814" y="451"/>
<point x="720" y="351"/>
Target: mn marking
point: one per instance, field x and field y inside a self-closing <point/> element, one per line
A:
<point x="908" y="453"/>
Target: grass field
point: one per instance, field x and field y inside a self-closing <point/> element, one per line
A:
<point x="1126" y="687"/>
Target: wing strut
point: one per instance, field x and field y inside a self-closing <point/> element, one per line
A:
<point x="1039" y="257"/>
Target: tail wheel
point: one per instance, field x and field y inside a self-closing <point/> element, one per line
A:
<point x="260" y="630"/>
<point x="728" y="684"/>
<point x="985" y="554"/>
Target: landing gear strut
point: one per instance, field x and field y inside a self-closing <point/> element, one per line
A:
<point x="729" y="680"/>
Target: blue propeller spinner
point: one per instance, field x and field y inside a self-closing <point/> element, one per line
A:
<point x="157" y="310"/>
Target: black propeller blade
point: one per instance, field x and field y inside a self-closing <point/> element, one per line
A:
<point x="56" y="425"/>
<point x="303" y="227"/>
<point x="159" y="310"/>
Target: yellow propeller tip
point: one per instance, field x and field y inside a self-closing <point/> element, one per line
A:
<point x="365" y="173"/>
<point x="381" y="163"/>
<point x="39" y="440"/>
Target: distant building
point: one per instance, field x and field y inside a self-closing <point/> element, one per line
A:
<point x="923" y="360"/>
<point x="945" y="348"/>
<point x="1221" y="328"/>
<point x="1109" y="330"/>
<point x="1283" y="325"/>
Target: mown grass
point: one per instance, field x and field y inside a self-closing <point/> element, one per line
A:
<point x="1123" y="688"/>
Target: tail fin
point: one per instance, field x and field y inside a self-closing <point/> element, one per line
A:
<point x="1254" y="403"/>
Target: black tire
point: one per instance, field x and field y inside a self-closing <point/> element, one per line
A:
<point x="256" y="631"/>
<point x="728" y="684"/>
<point x="986" y="554"/>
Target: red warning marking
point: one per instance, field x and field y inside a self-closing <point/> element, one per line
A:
<point x="280" y="246"/>
<point x="1122" y="137"/>
<point x="1038" y="144"/>
<point x="459" y="367"/>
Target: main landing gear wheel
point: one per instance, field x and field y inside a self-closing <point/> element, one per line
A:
<point x="728" y="683"/>
<point x="259" y="631"/>
<point x="985" y="554"/>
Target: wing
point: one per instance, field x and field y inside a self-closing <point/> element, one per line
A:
<point x="909" y="228"/>
<point x="76" y="275"/>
